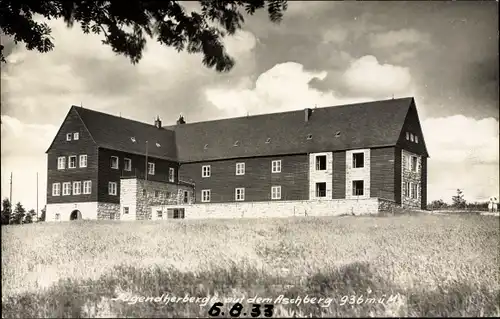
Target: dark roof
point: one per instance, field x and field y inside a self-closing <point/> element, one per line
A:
<point x="334" y="128"/>
<point x="361" y="125"/>
<point x="116" y="133"/>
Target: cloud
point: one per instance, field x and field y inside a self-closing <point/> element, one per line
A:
<point x="398" y="38"/>
<point x="365" y="76"/>
<point x="23" y="148"/>
<point x="284" y="87"/>
<point x="336" y="35"/>
<point x="240" y="43"/>
<point x="464" y="154"/>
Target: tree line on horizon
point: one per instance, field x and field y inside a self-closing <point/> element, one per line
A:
<point x="19" y="215"/>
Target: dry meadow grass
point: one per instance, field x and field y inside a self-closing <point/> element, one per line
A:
<point x="437" y="265"/>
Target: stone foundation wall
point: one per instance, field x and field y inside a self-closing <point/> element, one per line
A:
<point x="168" y="195"/>
<point x="334" y="207"/>
<point x="108" y="211"/>
<point x="388" y="206"/>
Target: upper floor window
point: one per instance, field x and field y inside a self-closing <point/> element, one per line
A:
<point x="87" y="187"/>
<point x="61" y="162"/>
<point x="68" y="136"/>
<point x="411" y="137"/>
<point x="125" y="210"/>
<point x="66" y="188"/>
<point x="114" y="162"/>
<point x="414" y="164"/>
<point x="83" y="160"/>
<point x="240" y="168"/>
<point x="77" y="188"/>
<point x="112" y="188"/>
<point x="408" y="136"/>
<point x="127" y="164"/>
<point x="276" y="192"/>
<point x="205" y="195"/>
<point x="321" y="162"/>
<point x="171" y="174"/>
<point x="416" y="139"/>
<point x="56" y="189"/>
<point x="358" y="160"/>
<point x="276" y="166"/>
<point x="76" y="136"/>
<point x="151" y="168"/>
<point x="239" y="194"/>
<point x="358" y="188"/>
<point x="205" y="171"/>
<point x="72" y="162"/>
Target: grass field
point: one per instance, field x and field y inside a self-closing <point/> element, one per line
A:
<point x="392" y="266"/>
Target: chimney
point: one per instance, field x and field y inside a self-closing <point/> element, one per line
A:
<point x="158" y="122"/>
<point x="181" y="120"/>
<point x="307" y="114"/>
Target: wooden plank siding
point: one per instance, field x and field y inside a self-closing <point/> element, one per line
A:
<point x="412" y="125"/>
<point x="61" y="147"/>
<point x="382" y="162"/>
<point x="339" y="174"/>
<point x="107" y="174"/>
<point x="257" y="180"/>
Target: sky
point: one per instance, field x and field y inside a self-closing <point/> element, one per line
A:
<point x="444" y="54"/>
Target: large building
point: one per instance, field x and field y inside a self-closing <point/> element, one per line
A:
<point x="344" y="158"/>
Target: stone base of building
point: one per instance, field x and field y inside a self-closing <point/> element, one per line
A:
<point x="69" y="211"/>
<point x="335" y="207"/>
<point x="108" y="211"/>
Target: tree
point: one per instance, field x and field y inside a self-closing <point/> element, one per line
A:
<point x="6" y="211"/>
<point x="19" y="213"/>
<point x="458" y="200"/>
<point x="28" y="219"/>
<point x="437" y="204"/>
<point x="42" y="215"/>
<point x="125" y="24"/>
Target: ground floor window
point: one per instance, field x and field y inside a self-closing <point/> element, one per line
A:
<point x="357" y="188"/>
<point x="320" y="189"/>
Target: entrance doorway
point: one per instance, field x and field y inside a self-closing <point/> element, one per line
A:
<point x="75" y="215"/>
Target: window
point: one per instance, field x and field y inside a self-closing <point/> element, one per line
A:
<point x="83" y="161"/>
<point x="72" y="162"/>
<point x="205" y="171"/>
<point x="186" y="197"/>
<point x="357" y="188"/>
<point x="144" y="192"/>
<point x="171" y="174"/>
<point x="276" y="166"/>
<point x="77" y="188"/>
<point x="239" y="194"/>
<point x="205" y="195"/>
<point x="320" y="189"/>
<point x="112" y="188"/>
<point x="416" y="139"/>
<point x="276" y="192"/>
<point x="58" y="216"/>
<point x="76" y="136"/>
<point x="66" y="188"/>
<point x="406" y="189"/>
<point x="178" y="213"/>
<point x="125" y="210"/>
<point x="114" y="162"/>
<point x="127" y="164"/>
<point x="414" y="190"/>
<point x="408" y="136"/>
<point x="68" y="136"/>
<point x="167" y="194"/>
<point x="157" y="194"/>
<point x="87" y="187"/>
<point x="240" y="168"/>
<point x="159" y="214"/>
<point x="358" y="160"/>
<point x="414" y="162"/>
<point x="321" y="162"/>
<point x="151" y="168"/>
<point x="61" y="162"/>
<point x="56" y="189"/>
<point x="411" y="137"/>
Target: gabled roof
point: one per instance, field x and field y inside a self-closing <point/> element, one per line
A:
<point x="361" y="125"/>
<point x="334" y="128"/>
<point x="116" y="133"/>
